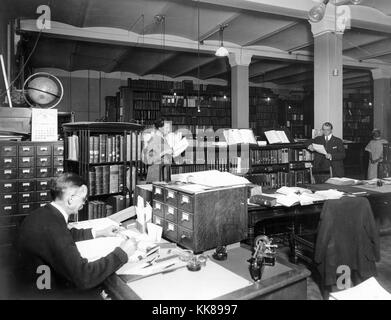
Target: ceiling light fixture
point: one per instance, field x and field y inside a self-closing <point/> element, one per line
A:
<point x="222" y="51"/>
<point x="318" y="11"/>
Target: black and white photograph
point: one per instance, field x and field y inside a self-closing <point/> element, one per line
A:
<point x="188" y="154"/>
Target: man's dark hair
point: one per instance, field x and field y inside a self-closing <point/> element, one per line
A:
<point x="159" y="123"/>
<point x="328" y="124"/>
<point x="64" y="181"/>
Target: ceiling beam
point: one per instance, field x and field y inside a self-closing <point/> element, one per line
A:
<point x="284" y="72"/>
<point x="261" y="67"/>
<point x="216" y="29"/>
<point x="271" y="34"/>
<point x="305" y="45"/>
<point x="357" y="80"/>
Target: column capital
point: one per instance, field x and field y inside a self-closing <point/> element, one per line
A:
<point x="381" y="73"/>
<point x="239" y="59"/>
<point x="336" y="19"/>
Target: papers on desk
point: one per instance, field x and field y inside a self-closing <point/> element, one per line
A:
<point x="329" y="194"/>
<point x="319" y="148"/>
<point x="210" y="282"/>
<point x="368" y="290"/>
<point x="293" y="190"/>
<point x="342" y="181"/>
<point x="96" y="224"/>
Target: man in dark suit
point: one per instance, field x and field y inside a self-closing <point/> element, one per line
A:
<point x="332" y="162"/>
<point x="46" y="244"/>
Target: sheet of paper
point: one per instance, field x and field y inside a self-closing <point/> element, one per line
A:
<point x="319" y="148"/>
<point x="368" y="290"/>
<point x="123" y="215"/>
<point x="272" y="137"/>
<point x="210" y="282"/>
<point x="44" y="125"/>
<point x="97" y="248"/>
<point x="97" y="224"/>
<point x="329" y="194"/>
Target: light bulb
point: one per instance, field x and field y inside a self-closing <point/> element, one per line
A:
<point x="317" y="12"/>
<point x="221" y="52"/>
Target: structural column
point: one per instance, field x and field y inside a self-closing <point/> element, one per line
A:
<point x="382" y="101"/>
<point x="239" y="90"/>
<point x="328" y="72"/>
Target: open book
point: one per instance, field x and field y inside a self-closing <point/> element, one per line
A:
<point x="237" y="136"/>
<point x="276" y="136"/>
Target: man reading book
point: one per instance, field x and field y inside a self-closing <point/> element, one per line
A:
<point x="330" y="163"/>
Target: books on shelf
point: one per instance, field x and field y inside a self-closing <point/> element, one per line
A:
<point x="276" y="136"/>
<point x="73" y="148"/>
<point x="278" y="179"/>
<point x="99" y="209"/>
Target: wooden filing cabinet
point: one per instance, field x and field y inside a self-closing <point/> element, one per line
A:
<point x="202" y="220"/>
<point x="26" y="171"/>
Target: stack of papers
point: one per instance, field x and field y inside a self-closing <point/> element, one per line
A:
<point x="342" y="181"/>
<point x="367" y="290"/>
<point x="293" y="190"/>
<point x="329" y="194"/>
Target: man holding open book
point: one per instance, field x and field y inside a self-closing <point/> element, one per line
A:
<point x="329" y="154"/>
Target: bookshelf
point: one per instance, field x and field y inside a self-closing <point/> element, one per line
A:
<point x="357" y="118"/>
<point x="108" y="156"/>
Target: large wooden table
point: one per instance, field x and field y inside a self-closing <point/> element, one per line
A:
<point x="282" y="281"/>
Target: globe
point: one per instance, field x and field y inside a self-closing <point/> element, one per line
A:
<point x="42" y="90"/>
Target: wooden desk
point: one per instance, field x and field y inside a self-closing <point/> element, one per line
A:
<point x="283" y="281"/>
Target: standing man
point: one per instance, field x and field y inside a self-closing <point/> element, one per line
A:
<point x="375" y="149"/>
<point x="331" y="163"/>
<point x="46" y="242"/>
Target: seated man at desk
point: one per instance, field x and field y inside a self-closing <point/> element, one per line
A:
<point x="45" y="240"/>
<point x="331" y="163"/>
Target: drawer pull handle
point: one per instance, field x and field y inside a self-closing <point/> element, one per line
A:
<point x="183" y="236"/>
<point x="158" y="191"/>
<point x="7" y="171"/>
<point x="8" y="196"/>
<point x="60" y="170"/>
<point x="170" y="210"/>
<point x="8" y="208"/>
<point x="26" y="148"/>
<point x="43" y="194"/>
<point x="25" y="159"/>
<point x="42" y="204"/>
<point x="185" y="217"/>
<point x="7" y="149"/>
<point x="170" y="194"/>
<point x="170" y="227"/>
<point x="60" y="149"/>
<point x="185" y="199"/>
<point x="26" y="170"/>
<point x="158" y="206"/>
<point x="44" y="149"/>
<point x="43" y="183"/>
<point x="26" y="206"/>
<point x="26" y="184"/>
<point x="44" y="159"/>
<point x="157" y="220"/>
<point x="43" y="170"/>
<point x="26" y="195"/>
<point x="8" y="185"/>
<point x="7" y="160"/>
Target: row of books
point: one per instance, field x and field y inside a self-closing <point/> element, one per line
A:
<point x="146" y="105"/>
<point x="284" y="155"/>
<point x="148" y="115"/>
<point x="210" y="112"/>
<point x="186" y="169"/>
<point x="147" y="95"/>
<point x="296" y="116"/>
<point x="279" y="179"/>
<point x="109" y="179"/>
<point x="99" y="209"/>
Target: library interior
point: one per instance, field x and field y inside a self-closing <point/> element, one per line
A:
<point x="195" y="149"/>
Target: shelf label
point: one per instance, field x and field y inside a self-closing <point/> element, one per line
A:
<point x="25" y="195"/>
<point x="185" y="217"/>
<point x="44" y="149"/>
<point x="25" y="159"/>
<point x="7" y="149"/>
<point x="43" y="170"/>
<point x="26" y="148"/>
<point x="170" y="210"/>
<point x="43" y="194"/>
<point x="8" y="208"/>
<point x="8" y="196"/>
<point x="158" y="191"/>
<point x="170" y="227"/>
<point x="26" y="170"/>
<point x="44" y="159"/>
<point x="8" y="160"/>
<point x="8" y="185"/>
<point x="26" y="184"/>
<point x="170" y="194"/>
<point x="185" y="199"/>
<point x="157" y="205"/>
<point x="44" y="183"/>
<point x="157" y="220"/>
<point x="7" y="171"/>
<point x="26" y="206"/>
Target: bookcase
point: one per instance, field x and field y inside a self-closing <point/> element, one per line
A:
<point x="357" y="118"/>
<point x="108" y="156"/>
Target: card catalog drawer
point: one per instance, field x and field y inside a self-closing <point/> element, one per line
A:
<point x="58" y="170"/>
<point x="26" y="196"/>
<point x="170" y="213"/>
<point x="185" y="202"/>
<point x="43" y="196"/>
<point x="170" y="197"/>
<point x="58" y="149"/>
<point x="8" y="198"/>
<point x="8" y="186"/>
<point x="158" y="193"/>
<point x="8" y="150"/>
<point x="185" y="237"/>
<point x="44" y="149"/>
<point x="8" y="162"/>
<point x="26" y="208"/>
<point x="26" y="150"/>
<point x="42" y="204"/>
<point x="8" y="209"/>
<point x="26" y="173"/>
<point x="44" y="161"/>
<point x="158" y="220"/>
<point x="7" y="174"/>
<point x="170" y="231"/>
<point x="44" y="172"/>
<point x="26" y="185"/>
<point x="185" y="219"/>
<point x="43" y="184"/>
<point x="158" y="208"/>
<point x="26" y="162"/>
<point x="58" y="161"/>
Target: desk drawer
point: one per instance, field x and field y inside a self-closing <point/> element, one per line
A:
<point x="6" y="209"/>
<point x="43" y="184"/>
<point x="58" y="149"/>
<point x="26" y="208"/>
<point x="185" y="219"/>
<point x="58" y="161"/>
<point x="7" y="174"/>
<point x="185" y="202"/>
<point x="8" y="150"/>
<point x="26" y="173"/>
<point x="44" y="150"/>
<point x="171" y="197"/>
<point x="26" y="185"/>
<point x="44" y="161"/>
<point x="170" y="231"/>
<point x="44" y="172"/>
<point x="158" y="208"/>
<point x="8" y="186"/>
<point x="26" y="197"/>
<point x="8" y="198"/>
<point x="42" y="196"/>
<point x="58" y="170"/>
<point x="8" y="162"/>
<point x="158" y="221"/>
<point x="185" y="237"/>
<point x="26" y="162"/>
<point x="170" y="213"/>
<point x="26" y="150"/>
<point x="158" y="193"/>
